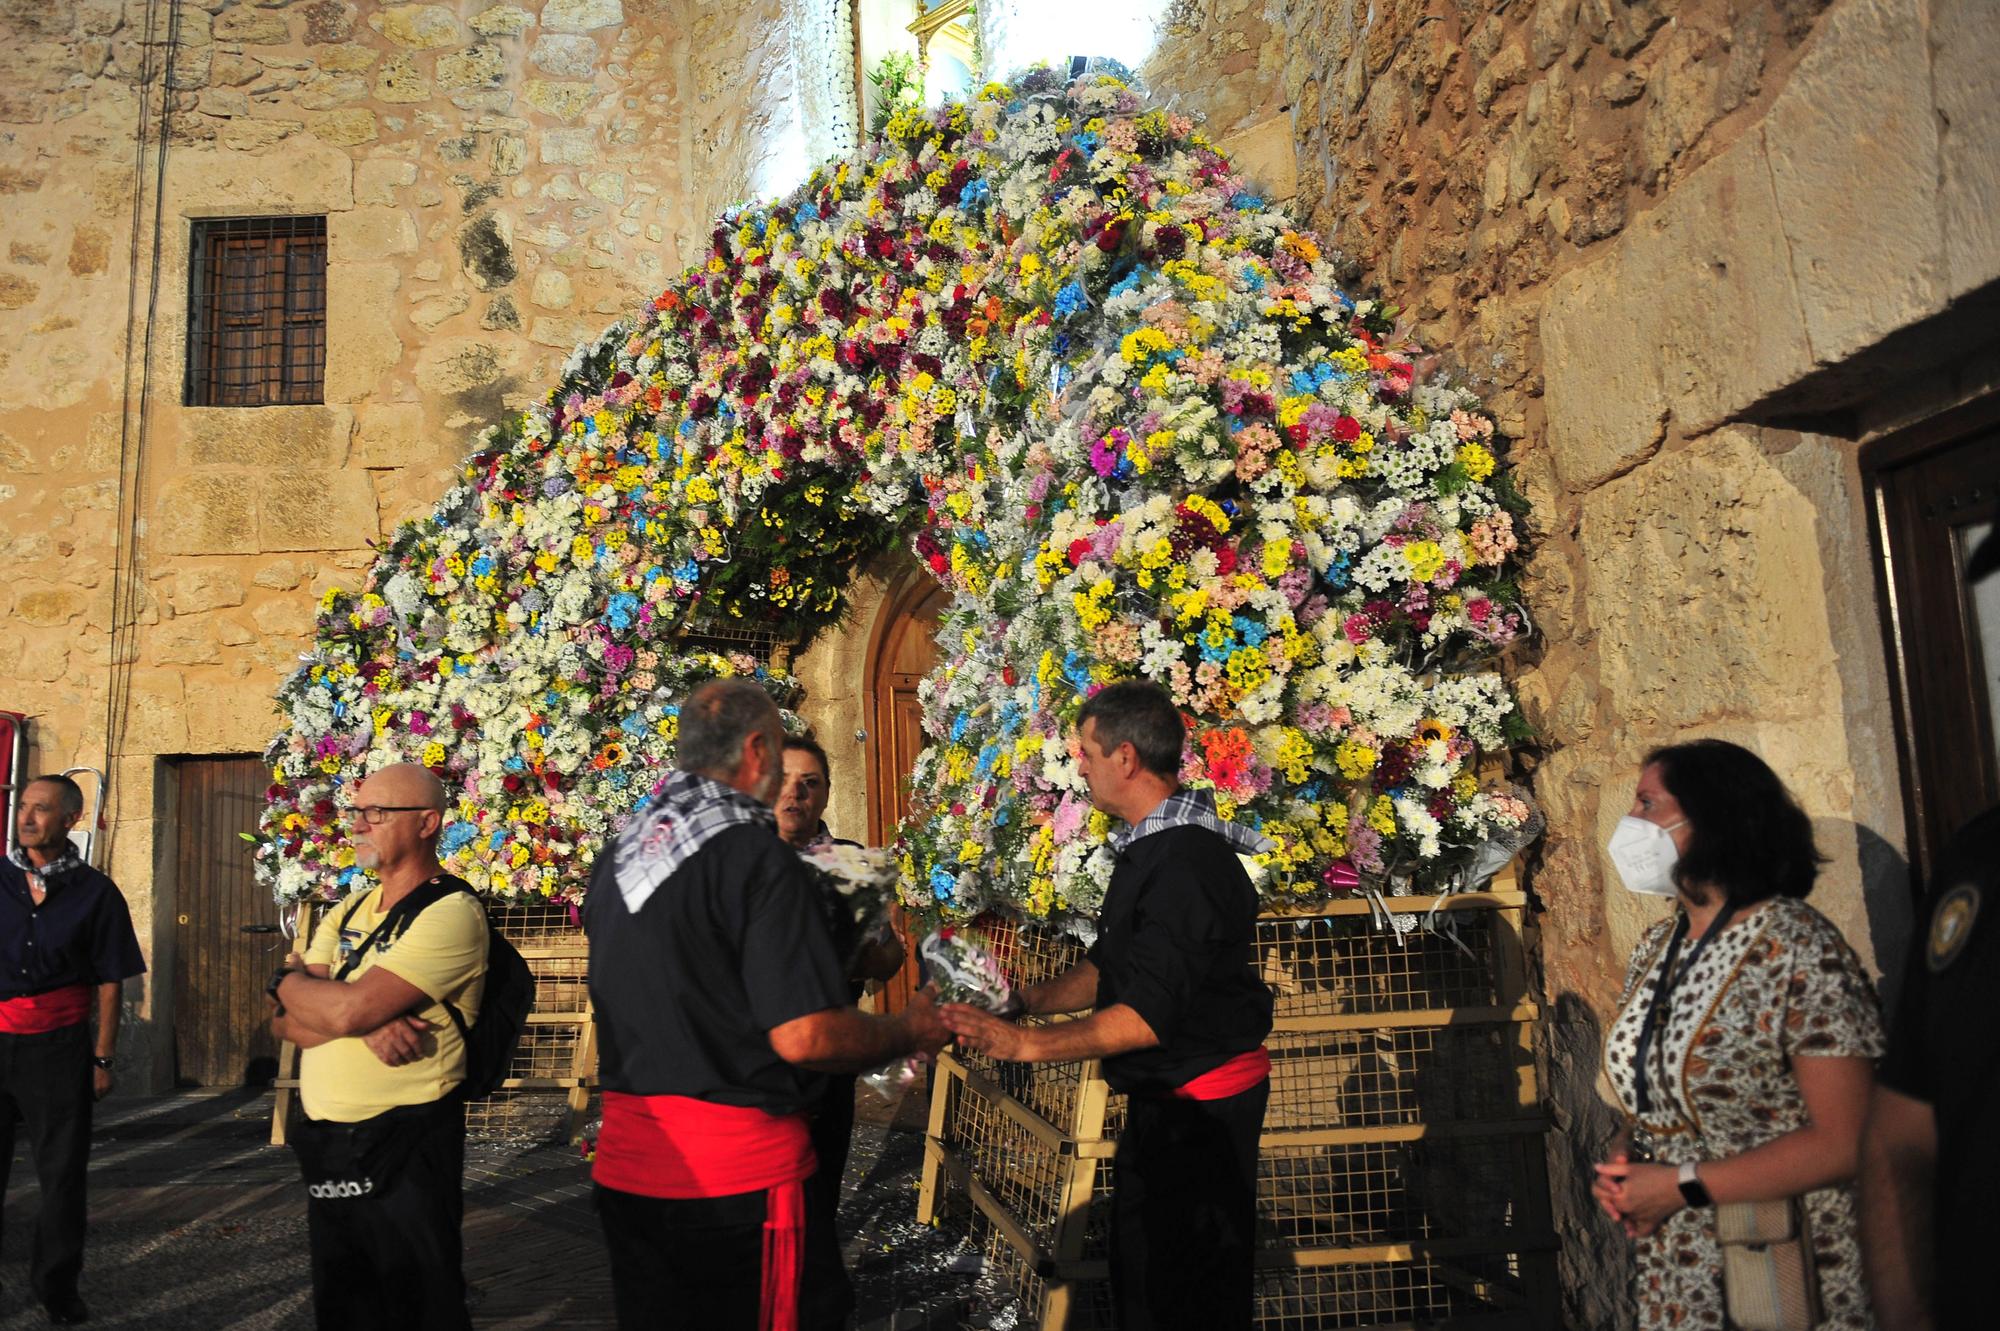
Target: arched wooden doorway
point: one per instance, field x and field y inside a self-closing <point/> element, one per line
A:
<point x="901" y="651"/>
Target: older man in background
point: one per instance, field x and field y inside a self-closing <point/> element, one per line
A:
<point x="66" y="948"/>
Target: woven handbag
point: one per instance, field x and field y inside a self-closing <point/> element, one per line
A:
<point x="1768" y="1282"/>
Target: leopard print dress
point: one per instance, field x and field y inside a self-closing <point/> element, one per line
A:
<point x="1777" y="983"/>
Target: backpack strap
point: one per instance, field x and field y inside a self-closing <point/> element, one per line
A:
<point x="398" y="919"/>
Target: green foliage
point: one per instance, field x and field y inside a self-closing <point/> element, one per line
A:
<point x="897" y="82"/>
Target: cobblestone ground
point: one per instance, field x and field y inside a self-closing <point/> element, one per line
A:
<point x="197" y="1222"/>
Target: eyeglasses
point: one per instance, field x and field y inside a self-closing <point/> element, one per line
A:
<point x="376" y="814"/>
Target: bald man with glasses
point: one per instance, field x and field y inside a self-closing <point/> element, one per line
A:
<point x="382" y="1147"/>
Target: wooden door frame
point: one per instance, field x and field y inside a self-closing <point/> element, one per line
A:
<point x="1879" y="460"/>
<point x="908" y="591"/>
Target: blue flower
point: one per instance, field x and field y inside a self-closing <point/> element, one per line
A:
<point x="942" y="883"/>
<point x="975" y="192"/>
<point x="455" y="837"/>
<point x="1070" y="300"/>
<point x="497" y="839"/>
<point x="1128" y="282"/>
<point x="1246" y="202"/>
<point x="958" y="725"/>
<point x="1087" y="142"/>
<point x="482" y="566"/>
<point x="1252" y="631"/>
<point x="621" y="610"/>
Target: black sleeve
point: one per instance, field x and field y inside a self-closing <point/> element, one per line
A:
<point x="113" y="946"/>
<point x="1174" y="931"/>
<point x="790" y="969"/>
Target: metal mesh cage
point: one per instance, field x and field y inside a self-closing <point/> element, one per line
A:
<point x="1327" y="966"/>
<point x="1400" y="1174"/>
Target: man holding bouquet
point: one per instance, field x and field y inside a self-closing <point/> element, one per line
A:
<point x="1179" y="1020"/>
<point x="718" y="993"/>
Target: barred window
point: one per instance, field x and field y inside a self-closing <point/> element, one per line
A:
<point x="257" y="312"/>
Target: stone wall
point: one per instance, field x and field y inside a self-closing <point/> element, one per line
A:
<point x="1663" y="238"/>
<point x="499" y="180"/>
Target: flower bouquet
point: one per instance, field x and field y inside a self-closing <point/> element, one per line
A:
<point x="963" y="970"/>
<point x="860" y="887"/>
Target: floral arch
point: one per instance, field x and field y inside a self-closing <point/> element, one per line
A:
<point x="1118" y="404"/>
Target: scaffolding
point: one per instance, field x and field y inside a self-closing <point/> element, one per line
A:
<point x="1401" y="1178"/>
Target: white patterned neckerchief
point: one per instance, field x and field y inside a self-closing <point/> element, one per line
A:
<point x="64" y="864"/>
<point x="683" y="815"/>
<point x="1192" y="808"/>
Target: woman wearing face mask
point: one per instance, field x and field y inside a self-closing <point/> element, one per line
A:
<point x="1742" y="1053"/>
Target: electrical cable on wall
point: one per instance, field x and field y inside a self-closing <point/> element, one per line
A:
<point x="133" y="433"/>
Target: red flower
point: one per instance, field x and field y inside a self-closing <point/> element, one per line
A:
<point x="1347" y="429"/>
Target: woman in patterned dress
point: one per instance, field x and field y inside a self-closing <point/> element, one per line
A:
<point x="1757" y="1066"/>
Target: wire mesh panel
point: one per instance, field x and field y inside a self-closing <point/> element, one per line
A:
<point x="546" y="1086"/>
<point x="1334" y="965"/>
<point x="1400" y="1179"/>
<point x="1375" y="1077"/>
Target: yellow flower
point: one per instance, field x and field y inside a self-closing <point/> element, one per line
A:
<point x="433" y="754"/>
<point x="1425" y="558"/>
<point x="1354" y="759"/>
<point x="1477" y="460"/>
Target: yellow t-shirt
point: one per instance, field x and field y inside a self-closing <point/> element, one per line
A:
<point x="443" y="953"/>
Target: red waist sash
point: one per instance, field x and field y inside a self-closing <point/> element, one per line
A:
<point x="33" y="1014"/>
<point x="674" y="1147"/>
<point x="1236" y="1076"/>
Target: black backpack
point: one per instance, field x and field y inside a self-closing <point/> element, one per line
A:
<point x="504" y="1001"/>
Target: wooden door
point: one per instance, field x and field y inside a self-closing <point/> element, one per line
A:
<point x="1937" y="499"/>
<point x="903" y="652"/>
<point x="227" y="940"/>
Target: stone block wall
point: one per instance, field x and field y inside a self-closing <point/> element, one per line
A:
<point x="500" y="181"/>
<point x="1693" y="253"/>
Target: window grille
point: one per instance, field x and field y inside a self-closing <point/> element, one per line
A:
<point x="257" y="312"/>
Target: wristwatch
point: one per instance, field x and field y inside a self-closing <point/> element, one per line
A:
<point x="100" y="1062"/>
<point x="271" y="989"/>
<point x="1692" y="1192"/>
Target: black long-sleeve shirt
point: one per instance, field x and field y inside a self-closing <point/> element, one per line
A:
<point x="1175" y="942"/>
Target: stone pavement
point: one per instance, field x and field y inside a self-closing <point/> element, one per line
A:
<point x="197" y="1222"/>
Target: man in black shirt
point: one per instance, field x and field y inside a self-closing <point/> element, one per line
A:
<point x="66" y="947"/>
<point x="1930" y="1157"/>
<point x="801" y="810"/>
<point x="1179" y="1020"/>
<point x="718" y="994"/>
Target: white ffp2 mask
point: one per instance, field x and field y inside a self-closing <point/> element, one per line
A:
<point x="1644" y="855"/>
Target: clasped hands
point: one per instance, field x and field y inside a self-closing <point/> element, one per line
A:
<point x="933" y="1026"/>
<point x="1637" y="1195"/>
